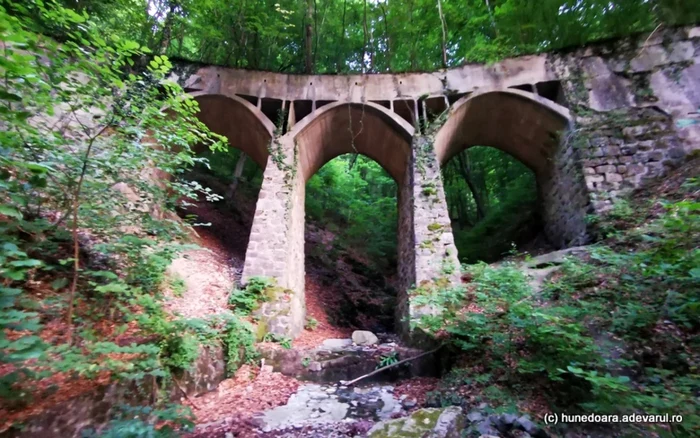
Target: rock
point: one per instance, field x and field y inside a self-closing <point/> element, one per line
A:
<point x="315" y="367"/>
<point x="409" y="403"/>
<point x="486" y="427"/>
<point x="506" y="422"/>
<point x="475" y="416"/>
<point x="524" y="423"/>
<point x="363" y="337"/>
<point x="435" y="423"/>
<point x="336" y="344"/>
<point x="308" y="400"/>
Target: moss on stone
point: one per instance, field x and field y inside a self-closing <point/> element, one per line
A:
<point x="261" y="330"/>
<point x="434" y="227"/>
<point x="427" y="244"/>
<point x="418" y="425"/>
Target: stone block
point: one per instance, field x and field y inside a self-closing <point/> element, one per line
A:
<point x="604" y="169"/>
<point x="592" y="162"/>
<point x="628" y="150"/>
<point x="648" y="58"/>
<point x="622" y="169"/>
<point x="656" y="156"/>
<point x="635" y="169"/>
<point x="632" y="132"/>
<point x="613" y="177"/>
<point x="681" y="51"/>
<point x="645" y="145"/>
<point x="676" y="153"/>
<point x="612" y="151"/>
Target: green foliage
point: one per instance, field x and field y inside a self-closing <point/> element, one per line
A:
<point x="239" y="340"/>
<point x="84" y="133"/>
<point x="144" y="421"/>
<point x="374" y="36"/>
<point x="492" y="200"/>
<point x="614" y="334"/>
<point x="257" y="289"/>
<point x="177" y="286"/>
<point x="388" y="359"/>
<point x="347" y="194"/>
<point x="311" y="324"/>
<point x="179" y="352"/>
<point x="284" y="341"/>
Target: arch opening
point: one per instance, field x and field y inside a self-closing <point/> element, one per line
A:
<point x="379" y="142"/>
<point x="351" y="266"/>
<point x="530" y="130"/>
<point x="493" y="204"/>
<point x="228" y="182"/>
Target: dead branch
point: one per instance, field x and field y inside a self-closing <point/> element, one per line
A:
<point x="379" y="370"/>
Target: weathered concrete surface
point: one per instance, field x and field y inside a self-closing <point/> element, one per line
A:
<point x="592" y="123"/>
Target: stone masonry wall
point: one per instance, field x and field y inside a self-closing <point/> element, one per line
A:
<point x="406" y="248"/>
<point x="636" y="104"/>
<point x="273" y="250"/>
<point x="435" y="251"/>
<point x="426" y="239"/>
<point x="564" y="196"/>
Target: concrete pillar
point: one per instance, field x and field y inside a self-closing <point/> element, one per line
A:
<point x="427" y="253"/>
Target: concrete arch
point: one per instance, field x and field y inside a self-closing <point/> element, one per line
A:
<point x="346" y="127"/>
<point x="522" y="124"/>
<point x="534" y="131"/>
<point x="245" y="126"/>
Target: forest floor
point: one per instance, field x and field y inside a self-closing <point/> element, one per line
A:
<point x="212" y="271"/>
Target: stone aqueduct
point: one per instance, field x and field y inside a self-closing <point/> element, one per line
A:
<point x="590" y="123"/>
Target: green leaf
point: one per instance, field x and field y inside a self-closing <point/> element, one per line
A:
<point x="4" y="95"/>
<point x="59" y="283"/>
<point x="29" y="263"/>
<point x="10" y="211"/>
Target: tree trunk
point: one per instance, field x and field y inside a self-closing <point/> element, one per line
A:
<point x="415" y="40"/>
<point x="341" y="47"/>
<point x="364" y="46"/>
<point x="464" y="169"/>
<point x="388" y="37"/>
<point x="240" y="165"/>
<point x="167" y="28"/>
<point x="444" y="34"/>
<point x="493" y="20"/>
<point x="308" y="39"/>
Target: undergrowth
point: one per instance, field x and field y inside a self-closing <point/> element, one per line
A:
<point x="614" y="333"/>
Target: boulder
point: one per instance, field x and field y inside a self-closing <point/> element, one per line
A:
<point x="363" y="337"/>
<point x="432" y="423"/>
